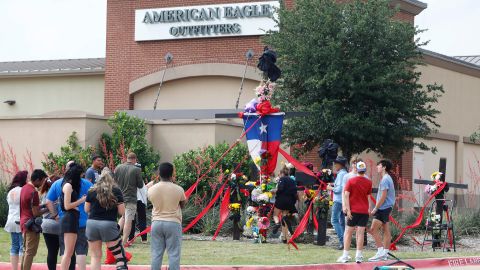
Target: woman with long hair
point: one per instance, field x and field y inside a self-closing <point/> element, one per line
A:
<point x="104" y="204"/>
<point x="50" y="225"/>
<point x="69" y="202"/>
<point x="285" y="198"/>
<point x="13" y="220"/>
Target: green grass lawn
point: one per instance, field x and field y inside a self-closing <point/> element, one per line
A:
<point x="236" y="253"/>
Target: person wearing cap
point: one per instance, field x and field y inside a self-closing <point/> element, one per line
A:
<point x="381" y="211"/>
<point x="338" y="218"/>
<point x="357" y="191"/>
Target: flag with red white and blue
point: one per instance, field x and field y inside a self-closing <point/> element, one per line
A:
<point x="264" y="138"/>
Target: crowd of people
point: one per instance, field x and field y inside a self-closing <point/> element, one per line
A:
<point x="84" y="209"/>
<point x="352" y="206"/>
<point x="78" y="213"/>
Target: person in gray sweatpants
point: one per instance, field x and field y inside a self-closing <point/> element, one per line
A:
<point x="167" y="199"/>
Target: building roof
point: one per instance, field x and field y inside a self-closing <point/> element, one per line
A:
<point x="472" y="59"/>
<point x="452" y="59"/>
<point x="53" y="67"/>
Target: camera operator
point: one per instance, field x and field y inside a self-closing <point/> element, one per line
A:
<point x="30" y="217"/>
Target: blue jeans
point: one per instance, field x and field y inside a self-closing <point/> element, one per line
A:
<point x="338" y="220"/>
<point x="166" y="235"/>
<point x="17" y="244"/>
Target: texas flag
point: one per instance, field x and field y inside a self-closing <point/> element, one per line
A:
<point x="264" y="138"/>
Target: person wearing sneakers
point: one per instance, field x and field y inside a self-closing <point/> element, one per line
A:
<point x="357" y="191"/>
<point x="382" y="210"/>
<point x="338" y="218"/>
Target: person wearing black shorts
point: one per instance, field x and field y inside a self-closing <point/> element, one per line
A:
<point x="356" y="201"/>
<point x="382" y="210"/>
<point x="358" y="220"/>
<point x="383" y="215"/>
<point x="69" y="202"/>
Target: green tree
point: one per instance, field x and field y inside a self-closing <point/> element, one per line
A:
<point x="129" y="134"/>
<point x="353" y="67"/>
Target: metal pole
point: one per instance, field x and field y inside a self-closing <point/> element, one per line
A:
<point x="168" y="60"/>
<point x="249" y="55"/>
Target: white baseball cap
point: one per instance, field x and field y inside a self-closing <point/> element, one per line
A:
<point x="361" y="166"/>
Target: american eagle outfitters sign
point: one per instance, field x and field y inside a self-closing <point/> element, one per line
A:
<point x="240" y="19"/>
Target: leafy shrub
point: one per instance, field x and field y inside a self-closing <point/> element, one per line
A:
<point x="191" y="165"/>
<point x="55" y="164"/>
<point x="3" y="203"/>
<point x="128" y="134"/>
<point x="467" y="223"/>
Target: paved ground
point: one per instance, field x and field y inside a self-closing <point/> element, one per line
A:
<point x="454" y="263"/>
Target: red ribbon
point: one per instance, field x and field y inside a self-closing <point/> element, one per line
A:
<point x="224" y="211"/>
<point x="194" y="186"/>
<point x="265" y="108"/>
<point x="147" y="230"/>
<point x="303" y="223"/>
<point x="205" y="210"/>
<point x="315" y="221"/>
<point x="419" y="219"/>
<point x="297" y="164"/>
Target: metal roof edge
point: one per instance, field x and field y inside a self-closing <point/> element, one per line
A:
<point x="52" y="73"/>
<point x="450" y="59"/>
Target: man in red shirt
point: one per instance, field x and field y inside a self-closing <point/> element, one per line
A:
<point x="29" y="209"/>
<point x="357" y="191"/>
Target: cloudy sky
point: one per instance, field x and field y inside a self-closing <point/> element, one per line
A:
<point x="63" y="29"/>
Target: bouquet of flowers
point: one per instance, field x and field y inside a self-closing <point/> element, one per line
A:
<point x="322" y="203"/>
<point x="265" y="91"/>
<point x="430" y="189"/>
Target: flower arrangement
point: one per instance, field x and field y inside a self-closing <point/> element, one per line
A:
<point x="263" y="223"/>
<point x="430" y="189"/>
<point x="326" y="175"/>
<point x="322" y="204"/>
<point x="265" y="91"/>
<point x="309" y="194"/>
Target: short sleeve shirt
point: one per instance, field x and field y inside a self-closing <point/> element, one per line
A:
<point x="359" y="188"/>
<point x="55" y="192"/>
<point x="386" y="184"/>
<point x="98" y="212"/>
<point x="28" y="198"/>
<point x="92" y="175"/>
<point x="129" y="178"/>
<point x="166" y="198"/>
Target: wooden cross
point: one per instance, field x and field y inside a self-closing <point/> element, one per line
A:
<point x="441" y="168"/>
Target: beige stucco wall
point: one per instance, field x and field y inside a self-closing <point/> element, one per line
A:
<point x="174" y="137"/>
<point x="471" y="176"/>
<point x="458" y="116"/>
<point x="208" y="92"/>
<point x="38" y="95"/>
<point x="459" y="105"/>
<point x="426" y="162"/>
<point x="40" y="135"/>
<point x="178" y="136"/>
